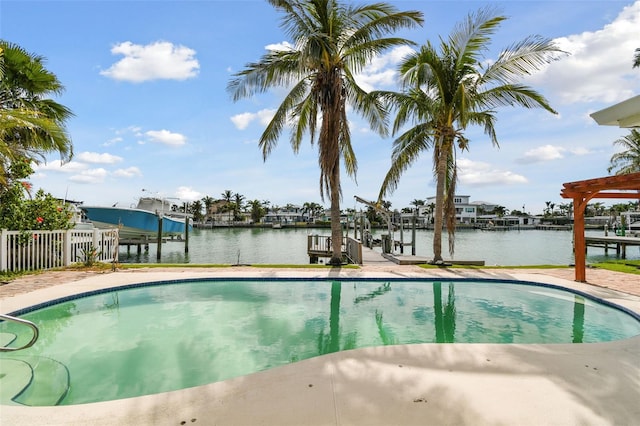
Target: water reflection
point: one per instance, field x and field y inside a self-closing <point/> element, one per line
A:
<point x="578" y="319"/>
<point x="445" y="317"/>
<point x="331" y="342"/>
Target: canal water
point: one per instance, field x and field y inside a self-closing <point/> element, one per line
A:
<point x="289" y="246"/>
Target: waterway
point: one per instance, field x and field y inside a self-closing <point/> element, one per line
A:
<point x="289" y="246"/>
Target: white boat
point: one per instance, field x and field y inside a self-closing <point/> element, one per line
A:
<point x="140" y="222"/>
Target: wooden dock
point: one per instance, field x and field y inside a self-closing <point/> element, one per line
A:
<point x="619" y="243"/>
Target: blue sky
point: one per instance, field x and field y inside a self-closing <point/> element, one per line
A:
<point x="147" y="81"/>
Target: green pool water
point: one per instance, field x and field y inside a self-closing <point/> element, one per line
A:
<point x="150" y="339"/>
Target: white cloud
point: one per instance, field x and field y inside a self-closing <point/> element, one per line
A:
<point x="166" y="137"/>
<point x="475" y="173"/>
<point x="96" y="158"/>
<point x="283" y="46"/>
<point x="129" y="172"/>
<point x="381" y="71"/>
<point x="90" y="176"/>
<point x="188" y="194"/>
<point x="542" y="153"/>
<point x="156" y="61"/>
<point x="242" y="121"/>
<point x="599" y="67"/>
<point x="59" y="166"/>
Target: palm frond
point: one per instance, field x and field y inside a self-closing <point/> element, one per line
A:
<point x="406" y="150"/>
<point x="522" y="58"/>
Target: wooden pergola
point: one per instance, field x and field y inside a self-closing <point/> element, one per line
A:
<point x="582" y="192"/>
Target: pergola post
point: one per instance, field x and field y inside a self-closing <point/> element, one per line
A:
<point x="582" y="192"/>
<point x="579" y="243"/>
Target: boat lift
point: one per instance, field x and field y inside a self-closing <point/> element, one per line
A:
<point x="387" y="214"/>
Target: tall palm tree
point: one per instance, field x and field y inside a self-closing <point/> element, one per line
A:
<point x="195" y="208"/>
<point x="239" y="205"/>
<point x="257" y="210"/>
<point x="227" y="196"/>
<point x="31" y="124"/>
<point x="628" y="160"/>
<point x="331" y="42"/>
<point x="636" y="59"/>
<point x="208" y="203"/>
<point x="449" y="89"/>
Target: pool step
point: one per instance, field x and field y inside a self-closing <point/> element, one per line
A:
<point x="15" y="376"/>
<point x="33" y="381"/>
<point x="6" y="338"/>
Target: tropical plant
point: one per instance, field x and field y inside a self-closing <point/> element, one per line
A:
<point x="331" y="42"/>
<point x="258" y="210"/>
<point x="449" y="89"/>
<point x="89" y="256"/>
<point x="238" y="205"/>
<point x="195" y="208"/>
<point x="22" y="211"/>
<point x="227" y="196"/>
<point x="31" y="124"/>
<point x="500" y="211"/>
<point x="417" y="203"/>
<point x="636" y="59"/>
<point x="208" y="203"/>
<point x="627" y="160"/>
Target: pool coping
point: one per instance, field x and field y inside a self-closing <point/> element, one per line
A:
<point x="594" y="383"/>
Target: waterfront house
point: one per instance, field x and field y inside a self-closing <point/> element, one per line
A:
<point x="466" y="212"/>
<point x="287" y="215"/>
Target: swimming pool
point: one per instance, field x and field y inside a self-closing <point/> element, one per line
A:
<point x="144" y="339"/>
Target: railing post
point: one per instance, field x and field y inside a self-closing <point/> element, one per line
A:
<point x="95" y="239"/>
<point x="4" y="253"/>
<point x="66" y="251"/>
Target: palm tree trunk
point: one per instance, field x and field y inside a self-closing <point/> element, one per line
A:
<point x="336" y="226"/>
<point x="441" y="175"/>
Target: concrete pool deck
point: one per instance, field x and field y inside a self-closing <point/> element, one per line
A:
<point x="425" y="384"/>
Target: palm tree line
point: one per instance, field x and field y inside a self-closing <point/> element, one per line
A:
<point x="234" y="207"/>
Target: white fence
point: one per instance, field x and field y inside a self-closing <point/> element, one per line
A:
<point x="34" y="250"/>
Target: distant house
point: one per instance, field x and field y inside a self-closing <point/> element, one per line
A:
<point x="289" y="214"/>
<point x="466" y="212"/>
<point x="217" y="212"/>
<point x="492" y="220"/>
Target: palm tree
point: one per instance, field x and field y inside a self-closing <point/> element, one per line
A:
<point x="208" y="203"/>
<point x="636" y="59"/>
<point x="239" y="204"/>
<point x="417" y="203"/>
<point x="628" y="160"/>
<point x="227" y="196"/>
<point x="257" y="210"/>
<point x="195" y="208"/>
<point x="31" y="124"/>
<point x="449" y="89"/>
<point x="311" y="209"/>
<point x="331" y="42"/>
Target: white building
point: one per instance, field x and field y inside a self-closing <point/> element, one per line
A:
<point x="466" y="212"/>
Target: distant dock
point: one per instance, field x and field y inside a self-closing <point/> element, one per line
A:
<point x="618" y="242"/>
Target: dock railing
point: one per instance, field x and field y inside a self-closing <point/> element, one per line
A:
<point x="321" y="246"/>
<point x="36" y="250"/>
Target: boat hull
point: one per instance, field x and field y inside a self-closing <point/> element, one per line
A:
<point x="133" y="223"/>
